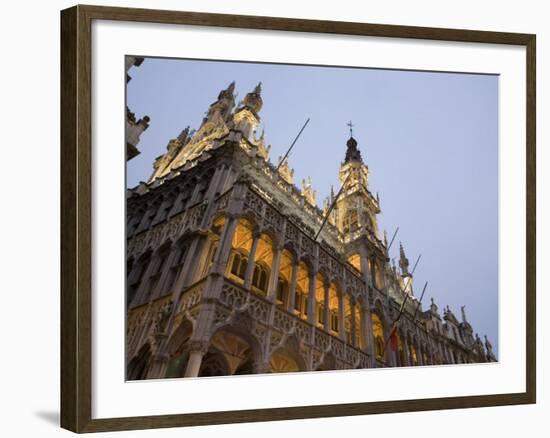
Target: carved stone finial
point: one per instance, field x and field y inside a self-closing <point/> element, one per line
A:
<point x="285" y="171"/>
<point x="308" y="192"/>
<point x="253" y="100"/>
<point x="463" y="311"/>
<point x="403" y="260"/>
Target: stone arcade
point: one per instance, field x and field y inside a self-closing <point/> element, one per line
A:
<point x="225" y="276"/>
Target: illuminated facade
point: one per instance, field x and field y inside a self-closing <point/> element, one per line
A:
<point x="227" y="272"/>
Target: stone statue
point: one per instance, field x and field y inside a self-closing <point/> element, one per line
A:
<point x="463" y="313"/>
<point x="162" y="317"/>
<point x="488" y="345"/>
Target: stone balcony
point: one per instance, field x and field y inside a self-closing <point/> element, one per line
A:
<point x="272" y="326"/>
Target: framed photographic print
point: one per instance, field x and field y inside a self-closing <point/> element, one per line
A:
<point x="269" y="218"/>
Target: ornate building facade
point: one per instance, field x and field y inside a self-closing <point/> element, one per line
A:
<point x="232" y="269"/>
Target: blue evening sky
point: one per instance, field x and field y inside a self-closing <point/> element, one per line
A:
<point x="430" y="141"/>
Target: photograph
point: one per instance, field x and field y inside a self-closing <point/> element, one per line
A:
<point x="285" y="218"/>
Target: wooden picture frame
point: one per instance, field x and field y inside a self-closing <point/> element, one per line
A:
<point x="76" y="217"/>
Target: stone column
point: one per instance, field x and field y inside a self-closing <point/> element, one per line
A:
<point x="292" y="289"/>
<point x="197" y="350"/>
<point x="196" y="260"/>
<point x="326" y="310"/>
<point x="214" y="182"/>
<point x="353" y="337"/>
<point x="364" y="328"/>
<point x="250" y="265"/>
<point x="161" y="284"/>
<point x="341" y="325"/>
<point x="194" y="363"/>
<point x="189" y="266"/>
<point x="158" y="367"/>
<point x="222" y="254"/>
<point x="274" y="274"/>
<point x="311" y="317"/>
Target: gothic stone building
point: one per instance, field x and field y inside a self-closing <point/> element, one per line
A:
<point x="226" y="273"/>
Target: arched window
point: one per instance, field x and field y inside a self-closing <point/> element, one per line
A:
<point x="260" y="278"/>
<point x="302" y="289"/>
<point x="355" y="261"/>
<point x="300" y="303"/>
<point x="320" y="283"/>
<point x="367" y="220"/>
<point x="241" y="244"/>
<point x="378" y="334"/>
<point x="376" y="274"/>
<point x="238" y="265"/>
<point x="298" y="300"/>
<point x="282" y="291"/>
<point x="351" y="221"/>
<point x="334" y="321"/>
<point x="334" y="308"/>
<point x="285" y="274"/>
<point x="347" y="318"/>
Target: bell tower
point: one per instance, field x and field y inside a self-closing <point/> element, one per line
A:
<point x="356" y="208"/>
<point x="355" y="216"/>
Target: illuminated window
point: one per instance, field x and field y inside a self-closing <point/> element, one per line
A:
<point x="238" y="265"/>
<point x="282" y="291"/>
<point x="378" y="334"/>
<point x="334" y="321"/>
<point x="260" y="277"/>
<point x="320" y="313"/>
<point x="414" y="358"/>
<point x="298" y="301"/>
<point x="355" y="261"/>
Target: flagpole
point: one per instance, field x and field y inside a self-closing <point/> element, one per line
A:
<point x="292" y="145"/>
<point x="393" y="238"/>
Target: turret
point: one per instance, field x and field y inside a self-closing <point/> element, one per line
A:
<point x="246" y="118"/>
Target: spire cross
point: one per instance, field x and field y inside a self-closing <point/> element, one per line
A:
<point x="351" y="125"/>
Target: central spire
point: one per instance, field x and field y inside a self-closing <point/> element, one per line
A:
<point x="352" y="153"/>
